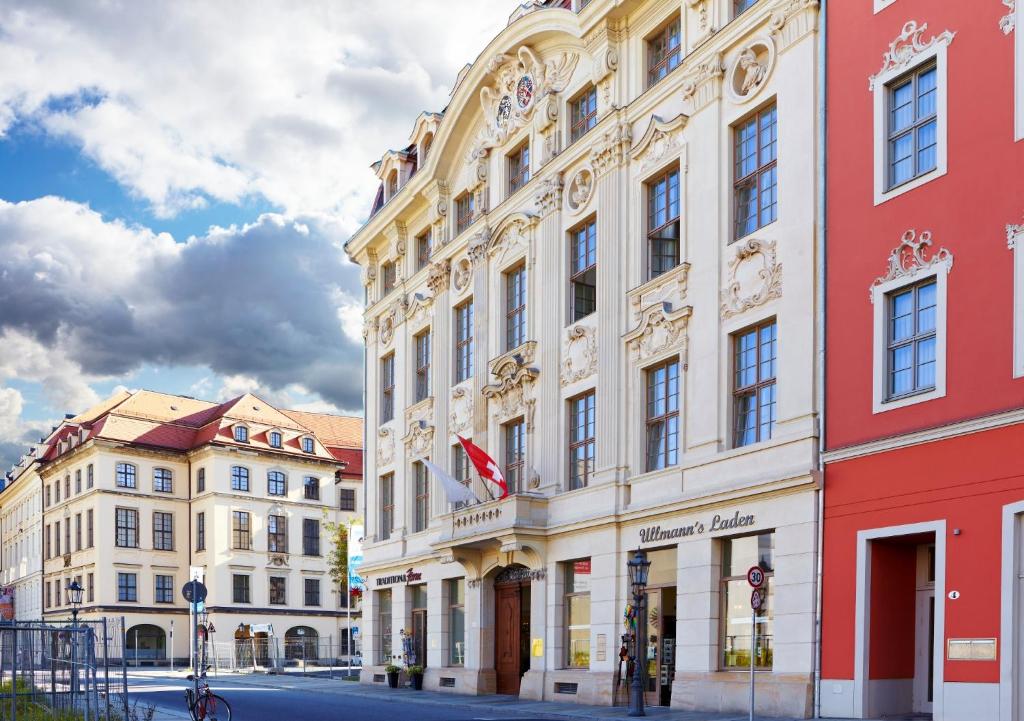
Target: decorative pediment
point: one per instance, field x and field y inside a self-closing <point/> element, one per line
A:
<point x="580" y="190"/>
<point x="460" y="415"/>
<point x="419" y="438"/>
<point x="511" y="236"/>
<point x="660" y="142"/>
<point x="579" y="359"/>
<point x="385" y="446"/>
<point x="908" y="258"/>
<point x="660" y="329"/>
<point x="512" y="390"/>
<point x="906" y="48"/>
<point x="754" y="277"/>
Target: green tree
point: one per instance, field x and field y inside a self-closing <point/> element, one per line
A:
<point x="337" y="557"/>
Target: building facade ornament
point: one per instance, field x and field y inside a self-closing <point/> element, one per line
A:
<point x="749" y="72"/>
<point x="580" y="190"/>
<point x="478" y="245"/>
<point x="420" y="438"/>
<point x="511" y="394"/>
<point x="705" y="28"/>
<point x="1008" y="22"/>
<point x="791" y="20"/>
<point x="908" y="258"/>
<point x="1013" y="232"/>
<point x="514" y="234"/>
<point x="579" y="360"/>
<point x="609" y="151"/>
<point x="906" y="48"/>
<point x="660" y="329"/>
<point x="386" y="325"/>
<point x="702" y="85"/>
<point x="462" y="274"/>
<point x="385" y="446"/>
<point x="417" y="310"/>
<point x="437" y="276"/>
<point x="460" y="415"/>
<point x="369" y="329"/>
<point x="660" y="142"/>
<point x="398" y="238"/>
<point x="754" y="277"/>
<point x="549" y="194"/>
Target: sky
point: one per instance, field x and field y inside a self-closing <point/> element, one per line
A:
<point x="177" y="180"/>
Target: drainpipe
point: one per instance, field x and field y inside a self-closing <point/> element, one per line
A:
<point x="819" y="322"/>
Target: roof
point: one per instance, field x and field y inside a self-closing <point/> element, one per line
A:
<point x="339" y="431"/>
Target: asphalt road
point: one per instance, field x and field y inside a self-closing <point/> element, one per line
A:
<point x="249" y="703"/>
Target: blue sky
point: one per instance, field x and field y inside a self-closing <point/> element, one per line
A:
<point x="176" y="184"/>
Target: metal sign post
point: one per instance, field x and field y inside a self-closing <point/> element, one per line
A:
<point x="194" y="592"/>
<point x="756" y="579"/>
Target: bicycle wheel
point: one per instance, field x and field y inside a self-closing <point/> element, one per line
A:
<point x="212" y="707"/>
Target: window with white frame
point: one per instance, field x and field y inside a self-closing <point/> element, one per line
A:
<point x="515" y="307"/>
<point x="910" y="118"/>
<point x="1015" y="23"/>
<point x="464" y="341"/>
<point x="1015" y="239"/>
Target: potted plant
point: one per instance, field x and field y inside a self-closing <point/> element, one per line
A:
<point x="392" y="671"/>
<point x="416" y="674"/>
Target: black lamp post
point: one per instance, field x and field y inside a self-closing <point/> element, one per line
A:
<point x="639" y="568"/>
<point x="74" y="590"/>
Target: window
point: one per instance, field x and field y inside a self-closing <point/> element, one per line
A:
<point x="89" y="536"/>
<point x="663" y="223"/>
<point x="741" y="6"/>
<point x="78" y="481"/>
<point x="464" y="341"/>
<point x="48" y="601"/>
<point x="387" y="388"/>
<point x="515" y="307"/>
<point x="56" y="538"/>
<point x="518" y="168"/>
<point x="423" y="249"/>
<point x="278" y="595"/>
<point x="456" y="593"/>
<point x="387" y="505"/>
<point x="461" y="468"/>
<point x="422" y="504"/>
<point x="308" y="445"/>
<point x="88" y="476"/>
<point x="662" y="416"/>
<point x="738" y="555"/>
<point x="275" y="439"/>
<point x="577" y="613"/>
<point x="312" y="591"/>
<point x="755" y="352"/>
<point x="239" y="478"/>
<point x="515" y="454"/>
<point x="388" y="276"/>
<point x="125" y="477"/>
<point x="240" y="531"/>
<point x="127" y="587"/>
<point x="90" y="588"/>
<point x="56" y="491"/>
<point x="663" y="52"/>
<point x="583" y="269"/>
<point x="911" y="340"/>
<point x="756" y="181"/>
<point x="277" y="483"/>
<point x="126" y="528"/>
<point x="67" y="486"/>
<point x="464" y="211"/>
<point x="163" y="531"/>
<point x="241" y="434"/>
<point x="384" y="622"/>
<point x="581" y="440"/>
<point x="1015" y="239"/>
<point x="162" y="480"/>
<point x="240" y="592"/>
<point x="310" y="537"/>
<point x="277" y="534"/>
<point x="346" y="499"/>
<point x="311" y="488"/>
<point x="56" y="592"/>
<point x="78" y="532"/>
<point x="423" y="366"/>
<point x="49" y="497"/>
<point x="46" y="543"/>
<point x="200" y="480"/>
<point x="201" y="531"/>
<point x="583" y="113"/>
<point x="67" y="536"/>
<point x="164" y="589"/>
<point x="912" y="129"/>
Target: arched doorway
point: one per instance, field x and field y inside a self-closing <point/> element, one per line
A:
<point x="511" y="627"/>
<point x="300" y="642"/>
<point x="146" y="643"/>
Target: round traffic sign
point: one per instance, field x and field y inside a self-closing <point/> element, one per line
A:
<point x="755" y="599"/>
<point x="755" y="576"/>
<point x="198" y="595"/>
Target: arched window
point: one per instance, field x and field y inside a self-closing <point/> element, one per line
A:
<point x="125" y="475"/>
<point x="241" y="434"/>
<point x="162" y="480"/>
<point x="275" y="439"/>
<point x="239" y="478"/>
<point x="425" y="148"/>
<point x="277" y="483"/>
<point x="300" y="642"/>
<point x="392" y="184"/>
<point x="146" y="642"/>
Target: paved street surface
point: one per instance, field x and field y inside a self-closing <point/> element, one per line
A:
<point x="258" y="697"/>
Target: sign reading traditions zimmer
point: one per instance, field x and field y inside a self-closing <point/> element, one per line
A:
<point x="407" y="577"/>
<point x="718" y="523"/>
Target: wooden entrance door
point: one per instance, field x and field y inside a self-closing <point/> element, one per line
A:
<point x="506" y="638"/>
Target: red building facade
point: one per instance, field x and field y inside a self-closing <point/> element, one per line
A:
<point x="924" y="466"/>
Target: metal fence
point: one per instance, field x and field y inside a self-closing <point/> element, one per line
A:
<point x="284" y="655"/>
<point x="63" y="671"/>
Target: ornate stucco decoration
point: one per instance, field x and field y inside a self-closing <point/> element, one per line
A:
<point x="512" y="236"/>
<point x="437" y="276"/>
<point x="580" y="357"/>
<point x="580" y="190"/>
<point x="906" y="48"/>
<point x="512" y="98"/>
<point x="702" y="85"/>
<point x="1008" y="22"/>
<point x="385" y="446"/>
<point x="660" y="142"/>
<point x="369" y="329"/>
<point x="421" y="411"/>
<point x="661" y="329"/>
<point x="750" y="70"/>
<point x="419" y="438"/>
<point x="478" y="245"/>
<point x="705" y="28"/>
<point x="609" y="151"/>
<point x="438" y="196"/>
<point x="791" y="20"/>
<point x="602" y="45"/>
<point x="460" y="415"/>
<point x="418" y="308"/>
<point x="398" y="238"/>
<point x="908" y="258"/>
<point x="511" y="394"/>
<point x="545" y="121"/>
<point x="1013" y="232"/>
<point x="754" y="277"/>
<point x="387" y="322"/>
<point x="462" y="274"/>
<point x="369" y="271"/>
<point x="670" y="287"/>
<point x="549" y="194"/>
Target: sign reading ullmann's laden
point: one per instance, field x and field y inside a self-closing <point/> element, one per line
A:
<point x="718" y="523"/>
<point x="407" y="577"/>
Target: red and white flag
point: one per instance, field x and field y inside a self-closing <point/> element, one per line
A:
<point x="485" y="465"/>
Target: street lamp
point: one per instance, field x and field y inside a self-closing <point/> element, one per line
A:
<point x="639" y="568"/>
<point x="74" y="591"/>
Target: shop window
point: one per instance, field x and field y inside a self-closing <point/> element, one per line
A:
<point x="739" y="555"/>
<point x="456" y="594"/>
<point x="577" y="613"/>
<point x="384" y="625"/>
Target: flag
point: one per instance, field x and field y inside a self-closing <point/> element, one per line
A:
<point x="455" y="491"/>
<point x="485" y="465"/>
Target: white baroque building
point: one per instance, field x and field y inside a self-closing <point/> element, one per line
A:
<point x="21" y="552"/>
<point x="599" y="265"/>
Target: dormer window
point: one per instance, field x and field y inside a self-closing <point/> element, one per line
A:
<point x="307" y="444"/>
<point x="241" y="434"/>
<point x="425" y="148"/>
<point x="275" y="439"/>
<point x="392" y="184"/>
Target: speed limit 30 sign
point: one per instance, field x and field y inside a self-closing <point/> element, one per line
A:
<point x="755" y="576"/>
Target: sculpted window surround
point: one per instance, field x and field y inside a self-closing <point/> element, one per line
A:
<point x="515" y="307"/>
<point x="911" y="125"/>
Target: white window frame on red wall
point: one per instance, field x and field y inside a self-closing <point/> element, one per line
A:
<point x="1017" y="27"/>
<point x="906" y="52"/>
<point x="1015" y="240"/>
<point x="881" y="5"/>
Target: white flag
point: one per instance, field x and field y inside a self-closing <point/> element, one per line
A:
<point x="456" y="492"/>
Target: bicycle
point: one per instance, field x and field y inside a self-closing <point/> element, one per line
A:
<point x="207" y="706"/>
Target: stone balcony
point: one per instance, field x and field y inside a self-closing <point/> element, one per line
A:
<point x="493" y="520"/>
